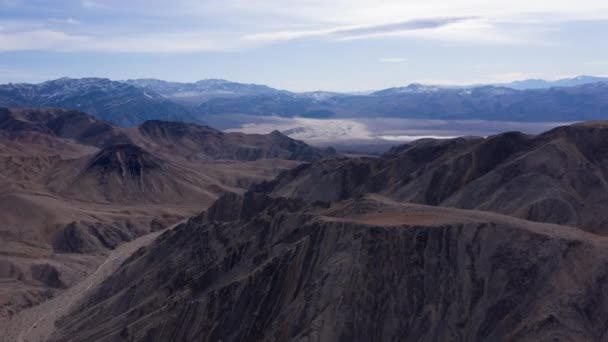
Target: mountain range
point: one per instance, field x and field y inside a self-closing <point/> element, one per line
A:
<point x="585" y="102"/>
<point x="133" y="102"/>
<point x="117" y="102"/>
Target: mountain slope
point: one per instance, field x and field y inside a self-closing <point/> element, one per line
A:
<point x="200" y="91"/>
<point x="117" y="102"/>
<point x="128" y="174"/>
<point x="62" y="123"/>
<point x="273" y="269"/>
<point x="558" y="177"/>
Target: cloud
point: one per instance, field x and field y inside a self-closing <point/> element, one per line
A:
<point x="392" y="60"/>
<point x="353" y="32"/>
<point x="220" y="25"/>
<point x="51" y="40"/>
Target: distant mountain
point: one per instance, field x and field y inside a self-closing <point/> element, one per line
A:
<point x="198" y="92"/>
<point x="414" y="88"/>
<point x="133" y="102"/>
<point x="560" y="104"/>
<point x="542" y="84"/>
<point x="117" y="102"/>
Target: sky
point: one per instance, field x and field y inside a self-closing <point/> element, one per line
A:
<point x="305" y="45"/>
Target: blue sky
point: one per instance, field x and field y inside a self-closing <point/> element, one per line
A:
<point x="342" y="45"/>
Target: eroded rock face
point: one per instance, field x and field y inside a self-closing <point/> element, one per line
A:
<point x="257" y="268"/>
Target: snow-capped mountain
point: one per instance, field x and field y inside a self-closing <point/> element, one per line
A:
<point x="200" y="91"/>
<point x="319" y="95"/>
<point x="112" y="101"/>
<point x="563" y="104"/>
<point x="414" y="88"/>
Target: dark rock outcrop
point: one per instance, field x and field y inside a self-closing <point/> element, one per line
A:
<point x="47" y="275"/>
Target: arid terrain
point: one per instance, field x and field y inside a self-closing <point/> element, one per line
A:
<point x="303" y="171"/>
<point x="73" y="189"/>
<point x="171" y="231"/>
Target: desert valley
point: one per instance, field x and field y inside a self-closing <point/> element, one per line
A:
<point x="303" y="171"/>
<point x="169" y="230"/>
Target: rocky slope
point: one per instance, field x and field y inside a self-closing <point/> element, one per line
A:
<point x="557" y="177"/>
<point x="260" y="268"/>
<point x="67" y="124"/>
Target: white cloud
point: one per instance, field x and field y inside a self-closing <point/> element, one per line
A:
<point x="218" y="25"/>
<point x="51" y="40"/>
<point x="431" y="27"/>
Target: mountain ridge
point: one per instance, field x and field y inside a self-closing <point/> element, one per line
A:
<point x="130" y="103"/>
<point x="108" y="100"/>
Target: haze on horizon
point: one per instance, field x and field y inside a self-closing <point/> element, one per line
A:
<point x="304" y="45"/>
